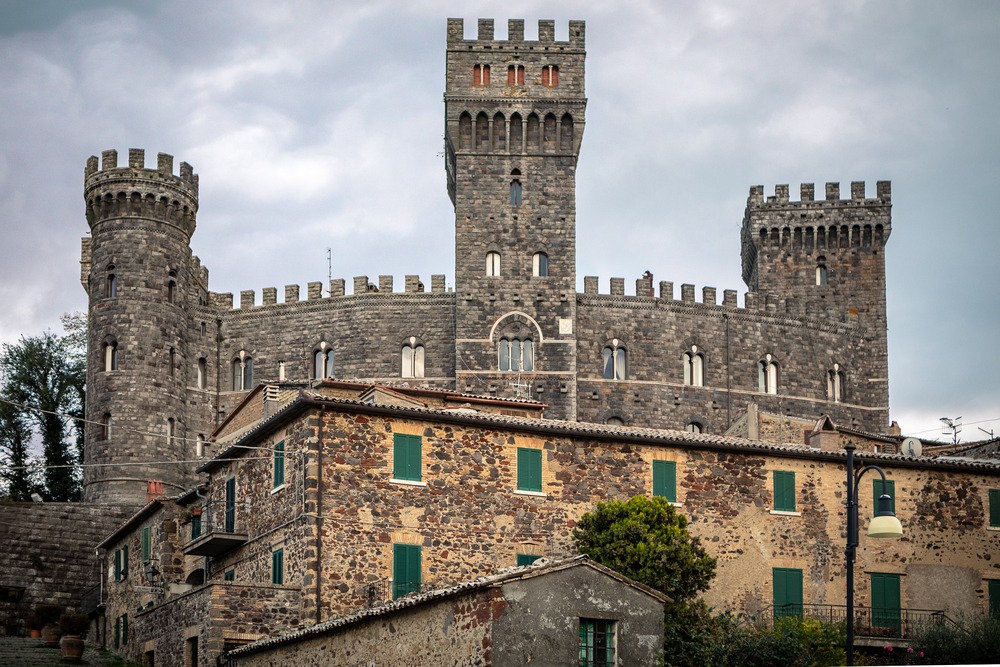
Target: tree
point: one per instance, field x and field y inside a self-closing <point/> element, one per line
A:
<point x="647" y="540"/>
<point x="47" y="375"/>
<point x="15" y="439"/>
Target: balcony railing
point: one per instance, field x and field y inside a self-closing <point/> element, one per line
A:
<point x="380" y="592"/>
<point x="868" y="622"/>
<point x="210" y="539"/>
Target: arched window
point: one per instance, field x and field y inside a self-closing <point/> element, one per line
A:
<point x="550" y="75"/>
<point x="533" y="133"/>
<point x="323" y="362"/>
<point x="694" y="367"/>
<point x="493" y="263"/>
<point x="465" y="131"/>
<point x="694" y="427"/>
<point x="171" y="428"/>
<point x="516" y="133"/>
<point x="499" y="132"/>
<point x="242" y="372"/>
<point x="767" y="375"/>
<point x="515" y="354"/>
<point x="515" y="191"/>
<point x="835" y="384"/>
<point x="614" y="360"/>
<point x="171" y="361"/>
<point x="614" y="421"/>
<point x="821" y="271"/>
<point x="566" y="133"/>
<point x="412" y="362"/>
<point x="106" y="426"/>
<point x="540" y="264"/>
<point x="202" y="373"/>
<point x="549" y="132"/>
<point x="172" y="287"/>
<point x="111" y="355"/>
<point x="515" y="75"/>
<point x="111" y="283"/>
<point x="482" y="132"/>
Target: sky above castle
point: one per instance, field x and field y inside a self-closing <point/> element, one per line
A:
<point x="318" y="125"/>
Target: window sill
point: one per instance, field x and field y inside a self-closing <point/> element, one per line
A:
<point x="993" y="528"/>
<point x="537" y="494"/>
<point x="276" y="489"/>
<point x="407" y="482"/>
<point x="785" y="513"/>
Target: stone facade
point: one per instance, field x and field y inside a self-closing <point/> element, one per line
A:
<point x="514" y="119"/>
<point x="526" y="616"/>
<point x="341" y="508"/>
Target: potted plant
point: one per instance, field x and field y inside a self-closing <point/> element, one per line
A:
<point x="48" y="617"/>
<point x="74" y="627"/>
<point x="33" y="625"/>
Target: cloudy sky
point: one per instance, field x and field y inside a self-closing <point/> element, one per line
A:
<point x="318" y="125"/>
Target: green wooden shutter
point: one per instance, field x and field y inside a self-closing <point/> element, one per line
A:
<point x="118" y="631"/>
<point x="529" y="469"/>
<point x="125" y="562"/>
<point x="878" y="490"/>
<point x="784" y="491"/>
<point x="405" y="569"/>
<point x="994" y="593"/>
<point x="124" y="629"/>
<point x="995" y="507"/>
<point x="195" y="527"/>
<point x="278" y="566"/>
<point x="406" y="457"/>
<point x="665" y="480"/>
<point x="118" y="564"/>
<point x="146" y="546"/>
<point x="279" y="464"/>
<point x="526" y="559"/>
<point x="787" y="591"/>
<point x="229" y="575"/>
<point x="885" y="600"/>
<point x="230" y="516"/>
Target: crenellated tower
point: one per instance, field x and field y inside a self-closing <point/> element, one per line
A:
<point x="138" y="275"/>
<point x="514" y="120"/>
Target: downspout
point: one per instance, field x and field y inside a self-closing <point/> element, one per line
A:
<point x="729" y="392"/>
<point x="319" y="516"/>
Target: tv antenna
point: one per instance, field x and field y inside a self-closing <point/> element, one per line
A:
<point x="329" y="267"/>
<point x="952" y="426"/>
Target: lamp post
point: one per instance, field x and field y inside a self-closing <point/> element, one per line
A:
<point x="883" y="525"/>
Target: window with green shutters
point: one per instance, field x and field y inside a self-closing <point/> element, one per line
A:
<point x="993" y="590"/>
<point x="118" y="631"/>
<point x="878" y="489"/>
<point x="124" y="629"/>
<point x="229" y="575"/>
<point x="406" y="457"/>
<point x="195" y="527"/>
<point x="786" y="586"/>
<point x="146" y="546"/>
<point x="885" y="601"/>
<point x="597" y="643"/>
<point x="230" y="516"/>
<point x="665" y="480"/>
<point x="279" y="465"/>
<point x="278" y="566"/>
<point x="995" y="508"/>
<point x="405" y="569"/>
<point x="784" y="491"/>
<point x="529" y="469"/>
<point x="118" y="564"/>
<point x="125" y="561"/>
<point x="526" y="559"/>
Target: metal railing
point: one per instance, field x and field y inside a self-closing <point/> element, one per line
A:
<point x="869" y="622"/>
<point x="383" y="591"/>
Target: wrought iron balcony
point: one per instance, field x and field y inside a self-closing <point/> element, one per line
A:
<point x="869" y="622"/>
<point x="383" y="591"/>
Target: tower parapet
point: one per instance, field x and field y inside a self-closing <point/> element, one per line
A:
<point x="158" y="194"/>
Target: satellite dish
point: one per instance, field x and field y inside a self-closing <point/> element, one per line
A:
<point x="911" y="447"/>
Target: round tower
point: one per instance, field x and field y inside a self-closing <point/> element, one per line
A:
<point x="139" y="286"/>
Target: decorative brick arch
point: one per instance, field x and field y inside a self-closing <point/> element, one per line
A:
<point x="513" y="317"/>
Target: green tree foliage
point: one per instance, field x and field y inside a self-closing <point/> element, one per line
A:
<point x="47" y="373"/>
<point x="647" y="540"/>
<point x="15" y="440"/>
<point x="972" y="640"/>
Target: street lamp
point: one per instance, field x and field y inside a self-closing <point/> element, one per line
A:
<point x="883" y="525"/>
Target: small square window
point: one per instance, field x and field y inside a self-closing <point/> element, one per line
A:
<point x="229" y="575"/>
<point x="529" y="469"/>
<point x="526" y="559"/>
<point x="597" y="643"/>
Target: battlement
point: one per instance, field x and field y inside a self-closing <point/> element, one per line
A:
<point x="336" y="289"/>
<point x="111" y="191"/>
<point x="137" y="162"/>
<point x="754" y="302"/>
<point x="883" y="194"/>
<point x="515" y="36"/>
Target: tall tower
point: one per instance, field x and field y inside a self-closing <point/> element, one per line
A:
<point x="138" y="277"/>
<point x="514" y="119"/>
<point x="826" y="259"/>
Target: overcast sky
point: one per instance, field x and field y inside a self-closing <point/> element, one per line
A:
<point x="319" y="124"/>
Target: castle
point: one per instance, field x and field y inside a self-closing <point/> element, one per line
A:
<point x="169" y="359"/>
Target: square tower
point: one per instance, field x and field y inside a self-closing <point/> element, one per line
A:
<point x="514" y="119"/>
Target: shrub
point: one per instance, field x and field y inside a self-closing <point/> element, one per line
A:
<point x="48" y="614"/>
<point x="74" y="624"/>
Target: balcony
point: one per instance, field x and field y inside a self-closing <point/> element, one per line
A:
<point x="210" y="540"/>
<point x="870" y="625"/>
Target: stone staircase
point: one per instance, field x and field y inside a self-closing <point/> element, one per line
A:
<point x="24" y="652"/>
